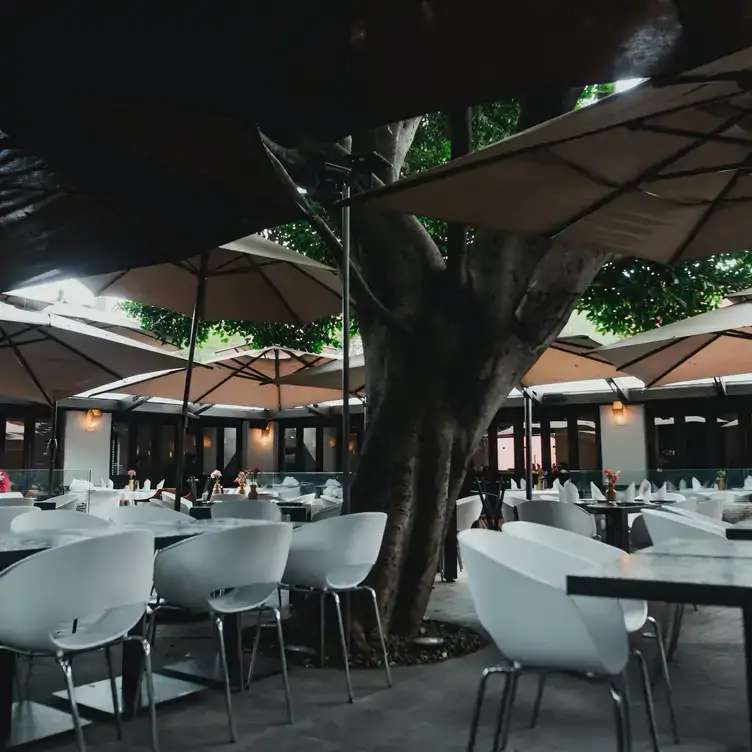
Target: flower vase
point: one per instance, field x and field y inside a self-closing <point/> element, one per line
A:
<point x="253" y="492"/>
<point x="130" y="484"/>
<point x="241" y="489"/>
<point x="611" y="494"/>
<point x="721" y="484"/>
<point x="216" y="488"/>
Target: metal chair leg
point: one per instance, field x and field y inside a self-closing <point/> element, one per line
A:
<point x="666" y="678"/>
<point x="626" y="706"/>
<point x="283" y="659"/>
<point x="500" y="714"/>
<point x="673" y="641"/>
<point x="487" y="672"/>
<point x="384" y="651"/>
<point x="114" y="694"/>
<point x="322" y="627"/>
<point x="241" y="683"/>
<point x="343" y="640"/>
<point x="648" y="699"/>
<point x="621" y="737"/>
<point x="146" y="645"/>
<point x="504" y="720"/>
<point x="538" y="700"/>
<point x="220" y="627"/>
<point x="279" y="598"/>
<point x="65" y="666"/>
<point x="254" y="653"/>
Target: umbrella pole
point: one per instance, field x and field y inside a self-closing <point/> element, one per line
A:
<point x="528" y="412"/>
<point x="345" y="352"/>
<point x="52" y="452"/>
<point x="198" y="311"/>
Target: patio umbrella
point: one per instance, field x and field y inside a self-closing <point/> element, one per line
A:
<point x="660" y="172"/>
<point x="244" y="378"/>
<point x="253" y="279"/>
<point x="45" y="358"/>
<point x="714" y="344"/>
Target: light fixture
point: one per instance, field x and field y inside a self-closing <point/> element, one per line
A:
<point x="620" y="412"/>
<point x="92" y="419"/>
<point x="207" y="442"/>
<point x="332" y="443"/>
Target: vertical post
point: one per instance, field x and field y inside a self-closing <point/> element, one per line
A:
<point x="198" y="312"/>
<point x="345" y="448"/>
<point x="528" y="405"/>
<point x="52" y="451"/>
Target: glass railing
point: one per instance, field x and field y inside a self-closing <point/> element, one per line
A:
<point x="40" y="484"/>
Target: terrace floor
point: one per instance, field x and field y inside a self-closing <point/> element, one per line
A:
<point x="429" y="707"/>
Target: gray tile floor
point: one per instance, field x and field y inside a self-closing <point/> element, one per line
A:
<point x="429" y="707"/>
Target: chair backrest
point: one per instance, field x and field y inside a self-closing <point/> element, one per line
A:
<point x="559" y="514"/>
<point x="665" y="526"/>
<point x="11" y="495"/>
<point x="248" y="558"/>
<point x="571" y="543"/>
<point x="101" y="503"/>
<point x="338" y="552"/>
<point x="146" y="513"/>
<point x="713" y="507"/>
<point x="696" y="516"/>
<point x="225" y="497"/>
<point x="469" y="510"/>
<point x="76" y="581"/>
<point x="8" y="514"/>
<point x="57" y="519"/>
<point x="16" y="501"/>
<point x="333" y="510"/>
<point x="66" y="501"/>
<point x="80" y="485"/>
<point x="639" y="536"/>
<point x="168" y="500"/>
<point x="585" y="635"/>
<point x="246" y="509"/>
<point x="147" y="485"/>
<point x="509" y="511"/>
<point x="690" y="504"/>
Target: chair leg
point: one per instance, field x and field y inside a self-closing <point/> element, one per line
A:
<point x="648" y="695"/>
<point x="283" y="659"/>
<point x="220" y="627"/>
<point x="621" y="737"/>
<point x="114" y="694"/>
<point x="343" y="640"/>
<point x="673" y="641"/>
<point x="146" y="645"/>
<point x="384" y="651"/>
<point x="254" y="653"/>
<point x="239" y="617"/>
<point x="279" y="598"/>
<point x="666" y="678"/>
<point x="627" y="706"/>
<point x="67" y="669"/>
<point x="322" y="628"/>
<point x="504" y="721"/>
<point x="538" y="700"/>
<point x="487" y="672"/>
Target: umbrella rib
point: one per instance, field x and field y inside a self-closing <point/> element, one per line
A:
<point x="583" y="171"/>
<point x="699" y="171"/>
<point x="318" y="282"/>
<point x="682" y="133"/>
<point x="118" y="276"/>
<point x="644" y="176"/>
<point x="297" y="320"/>
<point x="25" y="365"/>
<point x="85" y="357"/>
<point x="430" y="175"/>
<point x="634" y="361"/>
<point x="737" y="334"/>
<point x="681" y="362"/>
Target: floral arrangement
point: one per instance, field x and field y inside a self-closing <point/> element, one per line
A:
<point x="215" y="474"/>
<point x="254" y="474"/>
<point x="242" y="477"/>
<point x="611" y="476"/>
<point x="4" y="482"/>
<point x="720" y="474"/>
<point x="131" y="473"/>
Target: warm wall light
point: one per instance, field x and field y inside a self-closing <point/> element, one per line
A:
<point x="620" y="412"/>
<point x="207" y="442"/>
<point x="92" y="419"/>
<point x="262" y="436"/>
<point x="332" y="443"/>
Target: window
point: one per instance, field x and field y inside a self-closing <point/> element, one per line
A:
<point x="42" y="436"/>
<point x="587" y="444"/>
<point x="505" y="446"/>
<point x="14" y="445"/>
<point x="308" y="455"/>
<point x="731" y="440"/>
<point x="330" y="449"/>
<point x="230" y="451"/>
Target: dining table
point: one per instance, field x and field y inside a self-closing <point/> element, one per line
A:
<point x="616" y="516"/>
<point x="15" y="547"/>
<point x="687" y="571"/>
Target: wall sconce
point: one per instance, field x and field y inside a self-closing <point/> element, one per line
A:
<point x="620" y="412"/>
<point x="263" y="436"/>
<point x="207" y="442"/>
<point x="332" y="443"/>
<point x="92" y="419"/>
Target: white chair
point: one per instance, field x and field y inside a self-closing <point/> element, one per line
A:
<point x="8" y="514"/>
<point x="636" y="614"/>
<point x="541" y="629"/>
<point x="11" y="495"/>
<point x="113" y="577"/>
<point x="57" y="520"/>
<point x="146" y="513"/>
<point x="16" y="500"/>
<point x="335" y="556"/>
<point x="224" y="573"/>
<point x="714" y="506"/>
<point x="67" y="501"/>
<point x="690" y="504"/>
<point x="101" y="503"/>
<point x="333" y="510"/>
<point x="168" y="500"/>
<point x="80" y="485"/>
<point x="160" y="485"/>
<point x="695" y="516"/>
<point x="665" y="526"/>
<point x="558" y="514"/>
<point x="224" y="497"/>
<point x="247" y="509"/>
<point x="469" y="510"/>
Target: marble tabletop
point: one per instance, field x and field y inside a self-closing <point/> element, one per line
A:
<point x="37" y="541"/>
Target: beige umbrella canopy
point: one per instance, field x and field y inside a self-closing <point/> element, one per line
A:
<point x="45" y="358"/>
<point x="659" y="172"/>
<point x="242" y="379"/>
<point x="714" y="344"/>
<point x="567" y="359"/>
<point x="253" y="279"/>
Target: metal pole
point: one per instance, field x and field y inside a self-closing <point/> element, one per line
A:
<point x="52" y="452"/>
<point x="528" y="405"/>
<point x="345" y="448"/>
<point x="198" y="312"/>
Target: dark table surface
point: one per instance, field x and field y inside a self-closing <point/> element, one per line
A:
<point x="742" y="531"/>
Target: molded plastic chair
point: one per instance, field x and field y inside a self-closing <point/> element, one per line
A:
<point x="558" y="514"/>
<point x="469" y="510"/>
<point x="247" y="509"/>
<point x="335" y="556"/>
<point x="80" y="485"/>
<point x="16" y="500"/>
<point x="333" y="510"/>
<point x="67" y="501"/>
<point x="168" y="501"/>
<point x="57" y="520"/>
<point x="146" y="513"/>
<point x="721" y="524"/>
<point x="596" y="552"/>
<point x="690" y="504"/>
<point x="541" y="629"/>
<point x="639" y="537"/>
<point x="8" y="514"/>
<point x="227" y="572"/>
<point x="112" y="574"/>
<point x="160" y="485"/>
<point x="101" y="503"/>
<point x="713" y="507"/>
<point x="665" y="526"/>
<point x="146" y="485"/>
<point x="225" y="497"/>
<point x="509" y="508"/>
